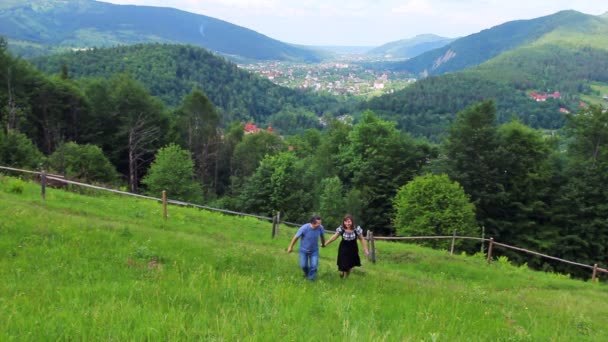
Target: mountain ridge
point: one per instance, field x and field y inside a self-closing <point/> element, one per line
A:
<point x="411" y="47"/>
<point x="489" y="43"/>
<point x="89" y="23"/>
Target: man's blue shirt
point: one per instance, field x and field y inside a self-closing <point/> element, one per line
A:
<point x="309" y="238"/>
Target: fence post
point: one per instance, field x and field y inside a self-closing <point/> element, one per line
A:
<point x="43" y="184"/>
<point x="368" y="238"/>
<point x="483" y="237"/>
<point x="594" y="276"/>
<point x="274" y="225"/>
<point x="453" y="238"/>
<point x="276" y="231"/>
<point x="165" y="205"/>
<point x="490" y="250"/>
<point x="373" y="245"/>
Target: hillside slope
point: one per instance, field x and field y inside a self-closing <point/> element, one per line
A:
<point x="108" y="267"/>
<point x="570" y="59"/>
<point x="37" y="26"/>
<point x="480" y="47"/>
<point x="172" y="71"/>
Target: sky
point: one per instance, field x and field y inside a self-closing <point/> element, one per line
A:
<point x="370" y="22"/>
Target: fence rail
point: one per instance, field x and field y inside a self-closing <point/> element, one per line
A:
<point x="59" y="178"/>
<point x="372" y="238"/>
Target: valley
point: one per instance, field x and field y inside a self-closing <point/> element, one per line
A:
<point x="344" y="77"/>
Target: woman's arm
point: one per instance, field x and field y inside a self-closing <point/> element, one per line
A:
<point x="332" y="238"/>
<point x="364" y="243"/>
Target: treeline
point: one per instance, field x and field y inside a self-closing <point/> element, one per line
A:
<point x="172" y="71"/>
<point x="521" y="187"/>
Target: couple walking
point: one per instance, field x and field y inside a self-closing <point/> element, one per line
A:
<point x="348" y="251"/>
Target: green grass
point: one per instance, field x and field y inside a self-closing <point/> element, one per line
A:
<point x="78" y="267"/>
<point x="600" y="90"/>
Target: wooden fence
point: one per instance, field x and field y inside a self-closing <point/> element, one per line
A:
<point x="276" y="221"/>
<point x="44" y="179"/>
<point x="372" y="255"/>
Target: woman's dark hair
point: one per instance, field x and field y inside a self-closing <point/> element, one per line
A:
<point x="346" y="217"/>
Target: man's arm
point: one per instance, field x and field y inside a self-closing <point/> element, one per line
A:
<point x="322" y="236"/>
<point x="293" y="242"/>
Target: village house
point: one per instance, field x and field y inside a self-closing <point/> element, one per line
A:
<point x="538" y="97"/>
<point x="251" y="128"/>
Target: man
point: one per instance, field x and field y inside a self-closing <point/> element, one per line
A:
<point x="309" y="246"/>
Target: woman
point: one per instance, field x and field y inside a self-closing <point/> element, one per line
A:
<point x="348" y="252"/>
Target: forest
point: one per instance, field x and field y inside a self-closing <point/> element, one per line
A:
<point x="484" y="174"/>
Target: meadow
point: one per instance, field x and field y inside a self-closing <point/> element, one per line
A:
<point x="95" y="266"/>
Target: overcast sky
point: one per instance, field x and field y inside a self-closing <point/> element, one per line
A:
<point x="370" y="22"/>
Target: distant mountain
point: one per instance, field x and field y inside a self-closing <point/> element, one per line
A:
<point x="339" y="50"/>
<point x="570" y="59"/>
<point x="411" y="47"/>
<point x="480" y="47"/>
<point x="39" y="26"/>
<point x="172" y="71"/>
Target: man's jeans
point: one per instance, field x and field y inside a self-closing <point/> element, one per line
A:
<point x="309" y="262"/>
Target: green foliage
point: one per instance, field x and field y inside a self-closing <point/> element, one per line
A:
<point x="378" y="160"/>
<point x="433" y="205"/>
<point x="15" y="185"/>
<point x="141" y="123"/>
<point x="590" y="133"/>
<point x="279" y="184"/>
<point x="86" y="163"/>
<point x="523" y="160"/>
<point x="233" y="136"/>
<point x="289" y="121"/>
<point x="251" y="150"/>
<point x="471" y="152"/>
<point x="17" y="150"/>
<point x="332" y="202"/>
<point x="171" y="72"/>
<point x="580" y="197"/>
<point x="428" y="107"/>
<point x="198" y="124"/>
<point x="172" y="171"/>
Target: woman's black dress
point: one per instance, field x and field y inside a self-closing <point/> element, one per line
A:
<point x="348" y="252"/>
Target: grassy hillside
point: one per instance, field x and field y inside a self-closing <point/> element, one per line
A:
<point x="480" y="47"/>
<point x="99" y="266"/>
<point x="171" y="71"/>
<point x="89" y="23"/>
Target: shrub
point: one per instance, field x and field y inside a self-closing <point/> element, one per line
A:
<point x="15" y="186"/>
<point x="434" y="205"/>
<point x="86" y="163"/>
